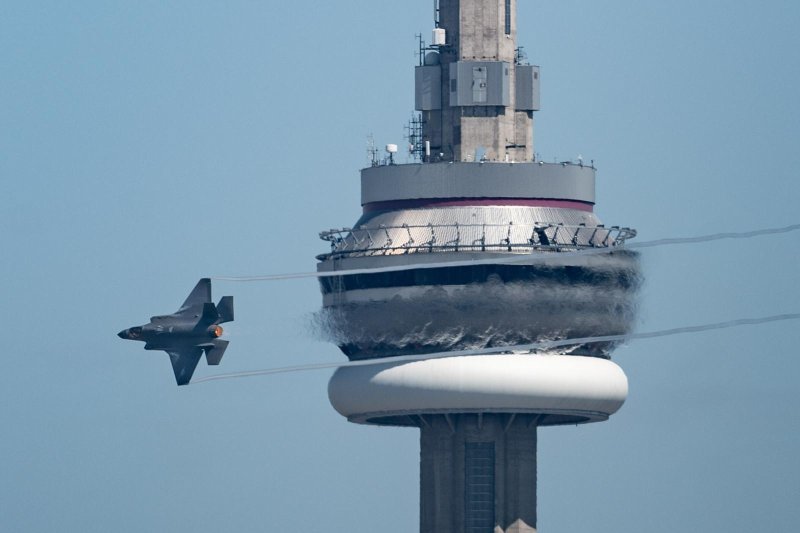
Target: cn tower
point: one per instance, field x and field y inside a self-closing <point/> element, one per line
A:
<point x="477" y="245"/>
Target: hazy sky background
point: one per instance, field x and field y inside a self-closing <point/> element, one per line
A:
<point x="145" y="145"/>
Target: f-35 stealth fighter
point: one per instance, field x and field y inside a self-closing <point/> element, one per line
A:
<point x="188" y="332"/>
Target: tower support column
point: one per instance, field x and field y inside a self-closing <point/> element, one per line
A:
<point x="478" y="473"/>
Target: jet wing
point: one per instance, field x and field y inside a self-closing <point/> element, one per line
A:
<point x="199" y="295"/>
<point x="184" y="362"/>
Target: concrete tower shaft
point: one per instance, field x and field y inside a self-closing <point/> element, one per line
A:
<point x="477" y="247"/>
<point x="477" y="98"/>
<point x="483" y="30"/>
<point x="488" y="464"/>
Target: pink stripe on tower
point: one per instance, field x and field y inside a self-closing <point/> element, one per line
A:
<point x="392" y="205"/>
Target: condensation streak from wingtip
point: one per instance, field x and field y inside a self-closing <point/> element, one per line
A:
<point x="499" y="350"/>
<point x="716" y="237"/>
<point x="511" y="260"/>
<point x="520" y="258"/>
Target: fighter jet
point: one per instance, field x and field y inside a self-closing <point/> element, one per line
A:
<point x="188" y="332"/>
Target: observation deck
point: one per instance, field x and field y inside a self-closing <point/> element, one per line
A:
<point x="382" y="240"/>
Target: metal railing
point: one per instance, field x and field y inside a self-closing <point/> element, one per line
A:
<point x="431" y="238"/>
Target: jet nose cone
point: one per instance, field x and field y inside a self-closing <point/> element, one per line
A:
<point x="133" y="334"/>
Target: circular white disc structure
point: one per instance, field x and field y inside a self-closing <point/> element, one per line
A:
<point x="563" y="389"/>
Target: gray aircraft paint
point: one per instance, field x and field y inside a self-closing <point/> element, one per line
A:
<point x="188" y="332"/>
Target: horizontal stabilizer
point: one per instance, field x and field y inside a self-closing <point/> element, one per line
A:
<point x="225" y="309"/>
<point x="200" y="294"/>
<point x="214" y="354"/>
<point x="184" y="362"/>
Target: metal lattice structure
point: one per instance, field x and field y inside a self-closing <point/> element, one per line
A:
<point x="521" y="238"/>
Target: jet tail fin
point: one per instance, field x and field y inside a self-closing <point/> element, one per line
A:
<point x="225" y="309"/>
<point x="214" y="353"/>
<point x="210" y="313"/>
<point x="200" y="294"/>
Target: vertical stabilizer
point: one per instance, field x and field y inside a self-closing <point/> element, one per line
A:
<point x="225" y="309"/>
<point x="200" y="294"/>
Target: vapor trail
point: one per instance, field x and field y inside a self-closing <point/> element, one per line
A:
<point x="521" y="258"/>
<point x="500" y="349"/>
<point x="715" y="237"/>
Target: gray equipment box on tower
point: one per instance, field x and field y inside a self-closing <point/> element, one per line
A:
<point x="527" y="88"/>
<point x="479" y="83"/>
<point x="428" y="85"/>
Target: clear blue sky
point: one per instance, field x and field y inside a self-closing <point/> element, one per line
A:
<point x="144" y="145"/>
